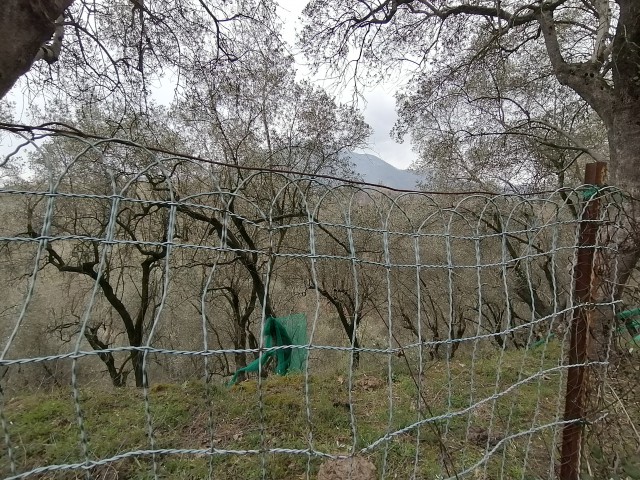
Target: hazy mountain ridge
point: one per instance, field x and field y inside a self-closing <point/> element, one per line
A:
<point x="373" y="169"/>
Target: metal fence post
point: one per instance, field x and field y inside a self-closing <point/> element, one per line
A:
<point x="577" y="377"/>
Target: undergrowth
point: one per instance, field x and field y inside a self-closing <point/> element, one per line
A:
<point x="493" y="418"/>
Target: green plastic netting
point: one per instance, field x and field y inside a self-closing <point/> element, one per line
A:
<point x="279" y="332"/>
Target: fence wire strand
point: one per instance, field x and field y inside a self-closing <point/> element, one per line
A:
<point x="436" y="324"/>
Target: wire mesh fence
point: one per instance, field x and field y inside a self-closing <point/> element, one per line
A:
<point x="436" y="340"/>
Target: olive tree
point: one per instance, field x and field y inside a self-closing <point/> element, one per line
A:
<point x="590" y="47"/>
<point x="493" y="85"/>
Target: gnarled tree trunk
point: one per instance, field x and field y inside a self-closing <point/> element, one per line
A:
<point x="624" y="128"/>
<point x="25" y="25"/>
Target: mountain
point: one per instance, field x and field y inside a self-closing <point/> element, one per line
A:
<point x="372" y="169"/>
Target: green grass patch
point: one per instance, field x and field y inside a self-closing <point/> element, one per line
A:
<point x="465" y="408"/>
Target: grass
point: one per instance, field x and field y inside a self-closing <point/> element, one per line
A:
<point x="43" y="427"/>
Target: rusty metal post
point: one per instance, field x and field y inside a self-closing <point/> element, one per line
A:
<point x="577" y="377"/>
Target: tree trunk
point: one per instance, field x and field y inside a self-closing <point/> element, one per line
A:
<point x="25" y="25"/>
<point x="138" y="372"/>
<point x="356" y="352"/>
<point x="350" y="329"/>
<point x="624" y="131"/>
<point x="135" y="340"/>
<point x="348" y="321"/>
<point x="253" y="344"/>
<point x="118" y="378"/>
<point x="624" y="143"/>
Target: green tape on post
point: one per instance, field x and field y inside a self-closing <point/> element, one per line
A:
<point x="631" y="324"/>
<point x="629" y="314"/>
<point x="589" y="192"/>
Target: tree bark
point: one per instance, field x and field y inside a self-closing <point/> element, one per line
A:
<point x="138" y="372"/>
<point x="624" y="133"/>
<point x="624" y="143"/>
<point x="25" y="25"/>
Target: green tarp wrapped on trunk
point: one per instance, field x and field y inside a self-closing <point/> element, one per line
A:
<point x="281" y="332"/>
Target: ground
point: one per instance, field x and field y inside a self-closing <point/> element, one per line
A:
<point x="492" y="417"/>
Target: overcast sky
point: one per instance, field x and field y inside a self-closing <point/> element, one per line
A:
<point x="378" y="107"/>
